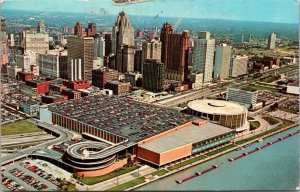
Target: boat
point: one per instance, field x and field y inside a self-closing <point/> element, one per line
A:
<point x="179" y="181"/>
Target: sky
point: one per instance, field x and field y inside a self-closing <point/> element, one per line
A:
<point x="278" y="11"/>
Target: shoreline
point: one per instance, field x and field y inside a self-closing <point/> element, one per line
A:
<point x="212" y="157"/>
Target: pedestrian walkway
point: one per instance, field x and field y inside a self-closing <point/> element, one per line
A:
<point x="142" y="171"/>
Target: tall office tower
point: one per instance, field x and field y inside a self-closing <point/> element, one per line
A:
<point x="91" y="30"/>
<point x="81" y="48"/>
<point x="75" y="69"/>
<point x="4" y="48"/>
<point x="241" y="38"/>
<point x="238" y="66"/>
<point x="123" y="43"/>
<point x="3" y="24"/>
<point x="41" y="28"/>
<point x="122" y="32"/>
<point x="153" y="75"/>
<point x="107" y="38"/>
<point x="35" y="41"/>
<point x="222" y="61"/>
<point x="78" y="29"/>
<point x="138" y="54"/>
<point x="125" y="58"/>
<point x="174" y="53"/>
<point x="203" y="54"/>
<point x="99" y="47"/>
<point x="151" y="50"/>
<point x="272" y="41"/>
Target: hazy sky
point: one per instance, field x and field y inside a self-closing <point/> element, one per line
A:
<point x="282" y="11"/>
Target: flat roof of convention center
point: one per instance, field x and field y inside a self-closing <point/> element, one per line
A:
<point x="188" y="135"/>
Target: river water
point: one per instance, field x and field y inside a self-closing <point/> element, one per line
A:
<point x="273" y="168"/>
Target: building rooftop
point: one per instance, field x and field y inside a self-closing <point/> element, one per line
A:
<point x="122" y="116"/>
<point x="211" y="106"/>
<point x="188" y="135"/>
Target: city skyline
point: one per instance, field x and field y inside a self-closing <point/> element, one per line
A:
<point x="214" y="9"/>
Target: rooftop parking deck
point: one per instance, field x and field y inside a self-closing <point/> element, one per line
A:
<point x="122" y="116"/>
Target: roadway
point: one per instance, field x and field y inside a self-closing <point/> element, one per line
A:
<point x="185" y="97"/>
<point x="25" y="139"/>
<point x="63" y="136"/>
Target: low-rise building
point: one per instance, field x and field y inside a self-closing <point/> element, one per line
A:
<point x="119" y="88"/>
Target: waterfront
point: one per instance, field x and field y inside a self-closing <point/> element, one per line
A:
<point x="263" y="170"/>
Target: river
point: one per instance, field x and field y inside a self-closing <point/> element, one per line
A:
<point x="273" y="168"/>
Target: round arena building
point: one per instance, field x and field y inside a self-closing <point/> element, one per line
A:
<point x="221" y="112"/>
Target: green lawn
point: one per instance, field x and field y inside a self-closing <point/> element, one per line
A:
<point x="258" y="87"/>
<point x="254" y="125"/>
<point x="288" y="110"/>
<point x="285" y="124"/>
<point x="118" y="172"/>
<point x="187" y="162"/>
<point x="271" y="120"/>
<point x="269" y="79"/>
<point x="220" y="150"/>
<point x="160" y="172"/>
<point x="19" y="127"/>
<point x="127" y="185"/>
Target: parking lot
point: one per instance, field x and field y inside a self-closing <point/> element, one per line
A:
<point x="9" y="116"/>
<point x="35" y="175"/>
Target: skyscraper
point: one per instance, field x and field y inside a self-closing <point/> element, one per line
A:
<point x="78" y="29"/>
<point x="123" y="32"/>
<point x="99" y="47"/>
<point x="123" y="43"/>
<point x="174" y="53"/>
<point x="41" y="27"/>
<point x="82" y="48"/>
<point x="203" y="54"/>
<point x="238" y="65"/>
<point x="222" y="61"/>
<point x="151" y="50"/>
<point x="153" y="75"/>
<point x="272" y="41"/>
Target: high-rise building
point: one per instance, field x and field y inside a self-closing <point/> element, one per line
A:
<point x="3" y="24"/>
<point x="107" y="38"/>
<point x="241" y="38"/>
<point x="238" y="65"/>
<point x="99" y="47"/>
<point x="91" y="30"/>
<point x="102" y="76"/>
<point x="247" y="98"/>
<point x="41" y="28"/>
<point x="138" y="57"/>
<point x="125" y="58"/>
<point x="78" y="29"/>
<point x="151" y="50"/>
<point x="122" y="32"/>
<point x="35" y="41"/>
<point x="203" y="54"/>
<point x="222" y="61"/>
<point x="81" y="48"/>
<point x="54" y="64"/>
<point x="272" y="41"/>
<point x="153" y="75"/>
<point x="123" y="44"/>
<point x="75" y="67"/>
<point x="174" y="53"/>
<point x="26" y="60"/>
